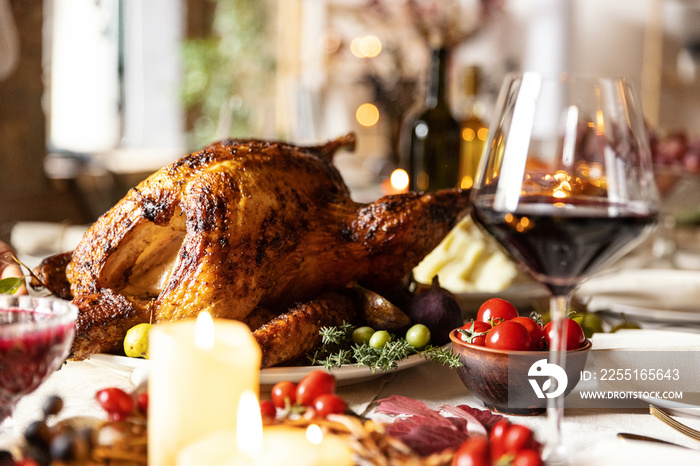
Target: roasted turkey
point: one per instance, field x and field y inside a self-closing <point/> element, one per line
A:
<point x="247" y="230"/>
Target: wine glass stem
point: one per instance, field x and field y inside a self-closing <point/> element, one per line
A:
<point x="555" y="452"/>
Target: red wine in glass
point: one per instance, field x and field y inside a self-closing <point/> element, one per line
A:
<point x="561" y="242"/>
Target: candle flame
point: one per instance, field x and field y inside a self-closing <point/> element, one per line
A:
<point x="249" y="429"/>
<point x="314" y="434"/>
<point x="204" y="331"/>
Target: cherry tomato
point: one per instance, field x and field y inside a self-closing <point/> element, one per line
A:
<point x="26" y="462"/>
<point x="498" y="431"/>
<point x="314" y="384"/>
<point x="268" y="410"/>
<point x="284" y="392"/>
<point x="527" y="457"/>
<point x="518" y="438"/>
<point x="533" y="329"/>
<point x="118" y="404"/>
<point x="509" y="335"/>
<point x="328" y="403"/>
<point x="471" y="332"/>
<point x="496" y="309"/>
<point x="473" y="452"/>
<point x="496" y="435"/>
<point x="575" y="337"/>
<point x="142" y="402"/>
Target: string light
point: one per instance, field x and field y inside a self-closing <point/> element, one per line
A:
<point x="399" y="179"/>
<point x="367" y="114"/>
<point x="366" y="47"/>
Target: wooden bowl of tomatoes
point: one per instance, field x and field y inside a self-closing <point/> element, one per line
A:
<point x="504" y="359"/>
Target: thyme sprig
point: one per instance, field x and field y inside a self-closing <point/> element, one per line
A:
<point x="337" y="349"/>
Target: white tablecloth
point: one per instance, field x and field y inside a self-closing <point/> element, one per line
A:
<point x="589" y="434"/>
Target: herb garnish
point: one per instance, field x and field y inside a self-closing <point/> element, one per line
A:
<point x="10" y="285"/>
<point x="337" y="349"/>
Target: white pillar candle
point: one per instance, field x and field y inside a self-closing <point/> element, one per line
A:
<point x="198" y="371"/>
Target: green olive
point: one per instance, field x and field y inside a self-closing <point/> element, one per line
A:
<point x="590" y="323"/>
<point x="379" y="339"/>
<point x="362" y="335"/>
<point x="418" y="336"/>
<point x="625" y="325"/>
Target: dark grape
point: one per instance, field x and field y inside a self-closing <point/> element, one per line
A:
<point x="676" y="149"/>
<point x="38" y="434"/>
<point x="6" y="458"/>
<point x="40" y="455"/>
<point x="63" y="447"/>
<point x="70" y="446"/>
<point x="52" y="405"/>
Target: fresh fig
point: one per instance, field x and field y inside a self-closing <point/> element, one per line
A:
<point x="438" y="310"/>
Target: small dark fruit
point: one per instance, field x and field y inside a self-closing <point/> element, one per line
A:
<point x="438" y="310"/>
<point x="71" y="445"/>
<point x="38" y="434"/>
<point x="52" y="405"/>
<point x="63" y="447"/>
<point x="6" y="458"/>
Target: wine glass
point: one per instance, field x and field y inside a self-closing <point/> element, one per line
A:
<point x="565" y="186"/>
<point x="36" y="334"/>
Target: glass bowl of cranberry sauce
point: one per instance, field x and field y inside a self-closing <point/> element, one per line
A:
<point x="36" y="334"/>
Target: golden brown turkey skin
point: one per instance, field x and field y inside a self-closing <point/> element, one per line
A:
<point x="51" y="273"/>
<point x="296" y="332"/>
<point x="242" y="225"/>
<point x="103" y="320"/>
<point x="219" y="230"/>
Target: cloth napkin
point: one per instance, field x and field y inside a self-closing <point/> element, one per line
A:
<point x="647" y="339"/>
<point x="649" y="289"/>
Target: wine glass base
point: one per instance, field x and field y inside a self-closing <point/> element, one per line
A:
<point x="555" y="455"/>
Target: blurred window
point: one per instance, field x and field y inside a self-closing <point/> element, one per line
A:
<point x="113" y="77"/>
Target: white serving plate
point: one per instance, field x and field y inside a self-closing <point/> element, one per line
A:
<point x="349" y="374"/>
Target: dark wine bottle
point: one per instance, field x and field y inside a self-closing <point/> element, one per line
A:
<point x="434" y="147"/>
